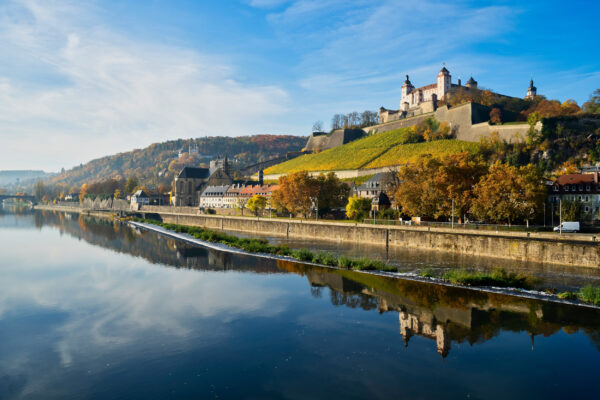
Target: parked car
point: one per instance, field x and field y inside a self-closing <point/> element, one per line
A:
<point x="572" y="226"/>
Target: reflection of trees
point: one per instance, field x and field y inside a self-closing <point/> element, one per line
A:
<point x="353" y="300"/>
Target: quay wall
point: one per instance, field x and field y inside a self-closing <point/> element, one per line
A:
<point x="548" y="248"/>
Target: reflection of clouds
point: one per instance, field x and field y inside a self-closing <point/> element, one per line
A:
<point x="114" y="301"/>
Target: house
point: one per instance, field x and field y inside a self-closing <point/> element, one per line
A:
<point x="583" y="188"/>
<point x="140" y="198"/>
<point x="213" y="196"/>
<point x="381" y="182"/>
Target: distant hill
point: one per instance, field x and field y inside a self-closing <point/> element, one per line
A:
<point x="158" y="163"/>
<point x="13" y="177"/>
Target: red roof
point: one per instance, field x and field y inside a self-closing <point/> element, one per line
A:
<point x="575" y="179"/>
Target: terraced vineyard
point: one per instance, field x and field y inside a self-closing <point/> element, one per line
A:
<point x="378" y="150"/>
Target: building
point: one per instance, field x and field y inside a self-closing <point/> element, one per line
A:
<point x="232" y="196"/>
<point x="583" y="188"/>
<point x="188" y="184"/>
<point x="381" y="182"/>
<point x="213" y="196"/>
<point x="422" y="100"/>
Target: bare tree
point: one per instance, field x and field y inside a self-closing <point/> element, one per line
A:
<point x="317" y="126"/>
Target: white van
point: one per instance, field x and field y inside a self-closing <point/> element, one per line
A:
<point x="568" y="227"/>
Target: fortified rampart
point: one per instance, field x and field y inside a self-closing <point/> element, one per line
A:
<point x="469" y="122"/>
<point x="529" y="247"/>
<point x="319" y="141"/>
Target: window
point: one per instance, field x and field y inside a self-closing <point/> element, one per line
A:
<point x="581" y="188"/>
<point x="566" y="188"/>
<point x="555" y="188"/>
<point x="587" y="199"/>
<point x="587" y="188"/>
<point x="586" y="209"/>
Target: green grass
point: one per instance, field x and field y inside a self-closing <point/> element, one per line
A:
<point x="498" y="277"/>
<point x="427" y="273"/>
<point x="376" y="150"/>
<point x="253" y="245"/>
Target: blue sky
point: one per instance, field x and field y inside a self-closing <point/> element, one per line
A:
<point x="82" y="79"/>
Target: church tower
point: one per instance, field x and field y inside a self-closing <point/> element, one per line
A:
<point x="531" y="90"/>
<point x="444" y="81"/>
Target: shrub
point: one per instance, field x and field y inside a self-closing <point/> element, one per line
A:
<point x="325" y="259"/>
<point x="365" y="264"/>
<point x="427" y="273"/>
<point x="568" y="296"/>
<point x="498" y="277"/>
<point x="344" y="262"/>
<point x="389" y="268"/>
<point x="302" y="255"/>
<point x="590" y="294"/>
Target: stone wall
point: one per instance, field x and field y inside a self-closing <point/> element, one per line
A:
<point x="319" y="141"/>
<point x="532" y="247"/>
<point x="469" y="122"/>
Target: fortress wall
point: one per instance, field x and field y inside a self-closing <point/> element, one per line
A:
<point x="336" y="138"/>
<point x="397" y="124"/>
<point x="530" y="247"/>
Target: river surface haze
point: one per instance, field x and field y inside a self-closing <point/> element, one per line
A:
<point x="93" y="309"/>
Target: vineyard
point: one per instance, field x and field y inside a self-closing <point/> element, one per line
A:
<point x="379" y="150"/>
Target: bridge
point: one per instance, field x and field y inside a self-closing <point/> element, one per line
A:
<point x="23" y="197"/>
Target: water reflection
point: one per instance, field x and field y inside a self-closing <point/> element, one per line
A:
<point x="106" y="311"/>
<point x="443" y="314"/>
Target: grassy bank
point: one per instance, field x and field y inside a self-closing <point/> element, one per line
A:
<point x="588" y="294"/>
<point x="253" y="245"/>
<point x="498" y="278"/>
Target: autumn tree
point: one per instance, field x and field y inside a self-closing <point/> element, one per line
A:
<point x="429" y="186"/>
<point x="256" y="204"/>
<point x="496" y="116"/>
<point x="508" y="193"/>
<point x="570" y="210"/>
<point x="83" y="191"/>
<point x="567" y="167"/>
<point x="39" y="190"/>
<point x="358" y="208"/>
<point x="295" y="193"/>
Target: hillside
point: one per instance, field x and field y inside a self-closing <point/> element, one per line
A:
<point x="158" y="163"/>
<point x="379" y="150"/>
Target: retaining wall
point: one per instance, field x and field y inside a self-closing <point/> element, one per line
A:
<point x="546" y="248"/>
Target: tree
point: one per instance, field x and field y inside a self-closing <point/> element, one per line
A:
<point x="593" y="104"/>
<point x="117" y="194"/>
<point x="131" y="184"/>
<point x="568" y="167"/>
<point x="256" y="204"/>
<point x="295" y="193"/>
<point x="496" y="116"/>
<point x="39" y="190"/>
<point x="317" y="126"/>
<point x="429" y="186"/>
<point x="358" y="208"/>
<point x="508" y="193"/>
<point x="571" y="210"/>
<point x="83" y="191"/>
<point x="333" y="193"/>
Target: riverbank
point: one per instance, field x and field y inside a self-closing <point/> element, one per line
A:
<point x="537" y="247"/>
<point x="530" y="294"/>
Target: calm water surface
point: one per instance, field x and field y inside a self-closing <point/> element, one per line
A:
<point x="93" y="309"/>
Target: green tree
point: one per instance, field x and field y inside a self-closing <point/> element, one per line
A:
<point x="333" y="193"/>
<point x="358" y="208"/>
<point x="131" y="185"/>
<point x="256" y="204"/>
<point x="593" y="104"/>
<point x="571" y="210"/>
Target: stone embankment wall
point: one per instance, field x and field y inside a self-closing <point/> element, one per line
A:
<point x="577" y="250"/>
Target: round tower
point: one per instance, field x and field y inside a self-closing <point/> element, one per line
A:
<point x="444" y="82"/>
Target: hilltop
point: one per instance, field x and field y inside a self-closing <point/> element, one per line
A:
<point x="158" y="163"/>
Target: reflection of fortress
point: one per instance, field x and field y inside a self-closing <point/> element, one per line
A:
<point x="473" y="319"/>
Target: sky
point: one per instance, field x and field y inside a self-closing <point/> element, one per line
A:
<point x="82" y="79"/>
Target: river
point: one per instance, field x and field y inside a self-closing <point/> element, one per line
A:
<point x="93" y="309"/>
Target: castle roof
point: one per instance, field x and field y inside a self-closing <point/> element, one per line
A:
<point x="407" y="81"/>
<point x="444" y="71"/>
<point x="471" y="81"/>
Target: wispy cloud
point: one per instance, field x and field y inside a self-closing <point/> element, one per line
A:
<point x="96" y="91"/>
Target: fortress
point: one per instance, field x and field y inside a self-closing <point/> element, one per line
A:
<point x="468" y="121"/>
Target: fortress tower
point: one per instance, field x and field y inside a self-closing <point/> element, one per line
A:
<point x="444" y="81"/>
<point x="531" y="90"/>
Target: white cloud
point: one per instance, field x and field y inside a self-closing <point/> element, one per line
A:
<point x="96" y="92"/>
